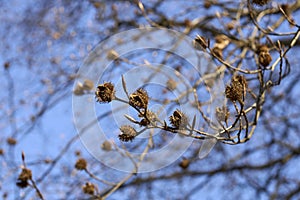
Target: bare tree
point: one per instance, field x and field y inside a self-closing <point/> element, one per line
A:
<point x="248" y="141"/>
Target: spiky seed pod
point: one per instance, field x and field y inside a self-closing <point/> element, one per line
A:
<point x="128" y="133"/>
<point x="149" y="114"/>
<point x="105" y="92"/>
<point x="139" y="99"/>
<point x="230" y="26"/>
<point x="260" y="2"/>
<point x="89" y="188"/>
<point x="144" y="122"/>
<point x="264" y="57"/>
<point x="237" y="90"/>
<point x="178" y="119"/>
<point x="6" y="65"/>
<point x="81" y="164"/>
<point x="200" y="42"/>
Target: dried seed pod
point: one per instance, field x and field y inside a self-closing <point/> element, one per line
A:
<point x="144" y="122"/>
<point x="128" y="133"/>
<point x="263" y="48"/>
<point x="89" y="188"/>
<point x="25" y="175"/>
<point x="178" y="119"/>
<point x="237" y="90"/>
<point x="260" y="2"/>
<point x="81" y="164"/>
<point x="264" y="57"/>
<point x="105" y="92"/>
<point x="139" y="99"/>
<point x="200" y="42"/>
<point x="230" y="26"/>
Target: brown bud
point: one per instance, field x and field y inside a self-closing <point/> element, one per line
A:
<point x="22" y="184"/>
<point x="144" y="122"/>
<point x="230" y="26"/>
<point x="184" y="163"/>
<point x="128" y="133"/>
<point x="89" y="188"/>
<point x="11" y="141"/>
<point x="81" y="164"/>
<point x="23" y="156"/>
<point x="150" y="117"/>
<point x="106" y="145"/>
<point x="178" y="119"/>
<point x="222" y="113"/>
<point x="88" y="85"/>
<point x="139" y="99"/>
<point x="77" y="153"/>
<point x="218" y="52"/>
<point x="263" y="48"/>
<point x="25" y="175"/>
<point x="105" y="93"/>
